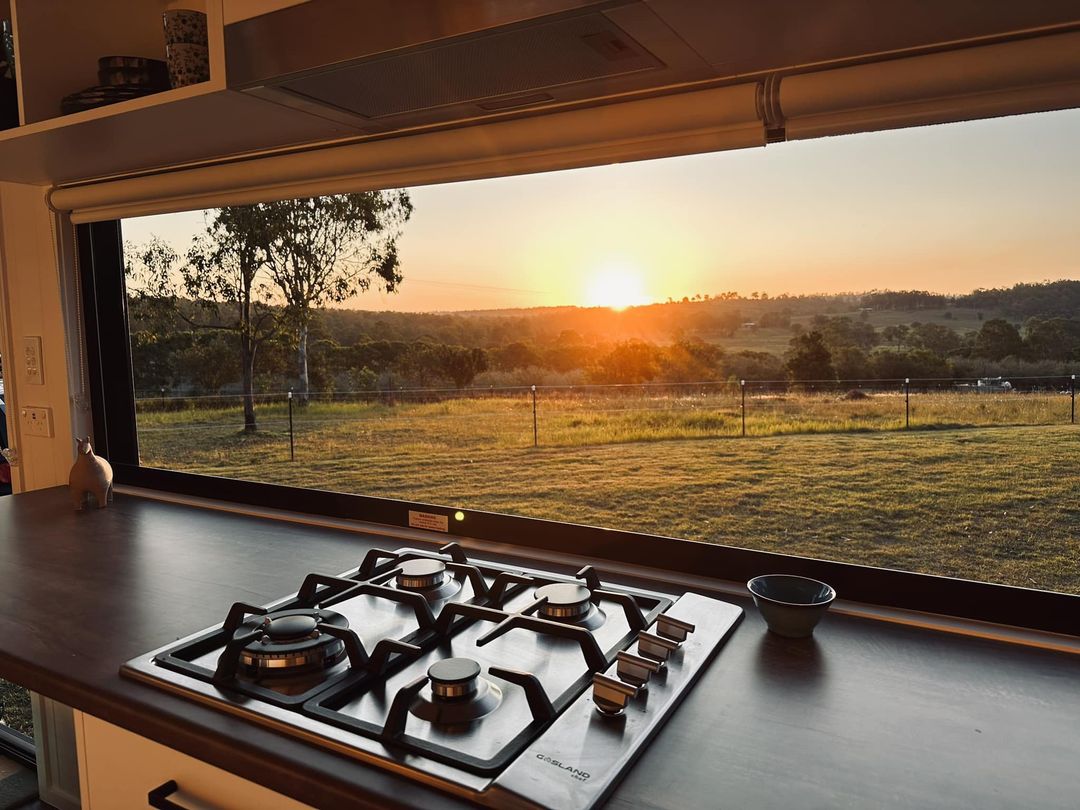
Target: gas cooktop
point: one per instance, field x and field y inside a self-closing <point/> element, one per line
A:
<point x="509" y="686"/>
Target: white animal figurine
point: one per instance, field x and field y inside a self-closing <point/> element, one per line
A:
<point x="90" y="475"/>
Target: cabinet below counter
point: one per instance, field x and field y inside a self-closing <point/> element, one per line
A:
<point x="119" y="770"/>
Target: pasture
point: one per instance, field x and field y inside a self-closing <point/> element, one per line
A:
<point x="982" y="487"/>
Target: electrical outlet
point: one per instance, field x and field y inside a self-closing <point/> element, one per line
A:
<point x="35" y="374"/>
<point x="36" y="421"/>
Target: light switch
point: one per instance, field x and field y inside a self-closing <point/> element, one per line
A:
<point x="36" y="421"/>
<point x="35" y="374"/>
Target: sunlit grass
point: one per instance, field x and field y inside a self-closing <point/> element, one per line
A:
<point x="818" y="476"/>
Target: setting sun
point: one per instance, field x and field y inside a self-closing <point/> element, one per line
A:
<point x="616" y="285"/>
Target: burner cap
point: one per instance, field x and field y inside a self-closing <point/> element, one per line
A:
<point x="421" y="574"/>
<point x="454" y="677"/>
<point x="291" y="644"/>
<point x="291" y="628"/>
<point x="458" y="694"/>
<point x="565" y="600"/>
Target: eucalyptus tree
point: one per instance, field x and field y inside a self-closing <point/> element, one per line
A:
<point x="221" y="283"/>
<point x="326" y="250"/>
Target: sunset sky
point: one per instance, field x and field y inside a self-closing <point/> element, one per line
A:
<point x="945" y="208"/>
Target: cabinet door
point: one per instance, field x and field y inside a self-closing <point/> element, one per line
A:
<point x="118" y="769"/>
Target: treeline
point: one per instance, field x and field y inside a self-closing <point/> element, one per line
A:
<point x="1054" y="299"/>
<point x="834" y="348"/>
<point x="361" y="351"/>
<point x="841" y="348"/>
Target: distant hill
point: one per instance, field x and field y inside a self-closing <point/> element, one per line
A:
<point x="1060" y="299"/>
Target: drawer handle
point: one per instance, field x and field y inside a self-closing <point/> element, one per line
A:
<point x="159" y="798"/>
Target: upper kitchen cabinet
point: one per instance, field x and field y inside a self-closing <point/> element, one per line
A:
<point x="57" y="48"/>
<point x="286" y="73"/>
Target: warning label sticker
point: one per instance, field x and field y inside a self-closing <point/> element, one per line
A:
<point x="429" y="521"/>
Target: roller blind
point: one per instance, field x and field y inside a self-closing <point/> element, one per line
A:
<point x="701" y="121"/>
<point x="1028" y="75"/>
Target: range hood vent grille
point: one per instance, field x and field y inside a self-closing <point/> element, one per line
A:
<point x="511" y="62"/>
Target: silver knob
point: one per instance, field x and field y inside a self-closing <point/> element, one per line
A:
<point x="675" y="629"/>
<point x="655" y="647"/>
<point x="634" y="669"/>
<point x="611" y="695"/>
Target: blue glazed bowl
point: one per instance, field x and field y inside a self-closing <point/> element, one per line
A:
<point x="791" y="606"/>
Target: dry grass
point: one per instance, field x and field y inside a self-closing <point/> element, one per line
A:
<point x="15" y="709"/>
<point x="820" y="476"/>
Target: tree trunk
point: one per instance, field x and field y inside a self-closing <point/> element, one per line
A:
<point x="302" y="340"/>
<point x="247" y="365"/>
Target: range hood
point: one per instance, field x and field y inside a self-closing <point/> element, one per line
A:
<point x="386" y="65"/>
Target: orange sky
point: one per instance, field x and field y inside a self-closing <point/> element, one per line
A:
<point x="945" y="208"/>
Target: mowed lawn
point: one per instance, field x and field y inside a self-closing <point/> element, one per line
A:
<point x="999" y="504"/>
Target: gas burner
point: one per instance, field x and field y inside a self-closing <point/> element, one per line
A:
<point x="419" y="575"/>
<point x="457" y="693"/>
<point x="469" y="673"/>
<point x="569" y="603"/>
<point x="426" y="577"/>
<point x="291" y="643"/>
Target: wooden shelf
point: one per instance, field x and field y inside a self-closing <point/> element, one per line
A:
<point x="184" y="128"/>
<point x="57" y="45"/>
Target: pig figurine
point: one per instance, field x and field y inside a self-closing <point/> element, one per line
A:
<point x="90" y="475"/>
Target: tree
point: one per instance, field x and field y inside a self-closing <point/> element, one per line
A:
<point x="935" y="338"/>
<point x="898" y="334"/>
<point x="809" y="359"/>
<point x="997" y="339"/>
<point x="691" y="360"/>
<point x="631" y="362"/>
<point x="851" y="363"/>
<point x="461" y="364"/>
<point x="225" y="276"/>
<point x="840" y="333"/>
<point x="323" y="250"/>
<point x="749" y="365"/>
<point x="917" y="363"/>
<point x="514" y="356"/>
<point x="1051" y="338"/>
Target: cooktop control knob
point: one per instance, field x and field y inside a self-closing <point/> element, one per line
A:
<point x="634" y="669"/>
<point x="675" y="629"/>
<point x="655" y="647"/>
<point x="611" y="695"/>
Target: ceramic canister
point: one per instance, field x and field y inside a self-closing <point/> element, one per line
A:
<point x="185" y="26"/>
<point x="188" y="64"/>
<point x="186" y="47"/>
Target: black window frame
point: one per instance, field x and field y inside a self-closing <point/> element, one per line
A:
<point x="100" y="253"/>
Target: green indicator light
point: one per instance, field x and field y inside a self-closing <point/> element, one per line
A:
<point x="459" y="515"/>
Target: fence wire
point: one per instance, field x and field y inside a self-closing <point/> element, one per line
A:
<point x="173" y="427"/>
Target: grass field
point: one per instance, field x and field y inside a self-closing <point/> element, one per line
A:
<point x="15" y="709"/>
<point x="990" y="493"/>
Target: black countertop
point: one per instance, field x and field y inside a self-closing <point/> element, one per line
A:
<point x="867" y="714"/>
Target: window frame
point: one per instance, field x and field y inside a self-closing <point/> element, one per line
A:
<point x="100" y="263"/>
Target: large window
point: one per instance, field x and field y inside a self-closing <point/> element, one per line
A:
<point x="859" y="349"/>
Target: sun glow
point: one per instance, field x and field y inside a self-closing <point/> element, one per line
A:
<point x="617" y="285"/>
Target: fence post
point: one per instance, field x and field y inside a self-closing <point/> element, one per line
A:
<point x="907" y="403"/>
<point x="1072" y="396"/>
<point x="292" y="445"/>
<point x="536" y="434"/>
<point x="742" y="385"/>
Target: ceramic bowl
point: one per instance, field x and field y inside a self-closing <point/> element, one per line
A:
<point x="791" y="606"/>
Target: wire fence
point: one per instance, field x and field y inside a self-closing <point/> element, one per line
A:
<point x="420" y="419"/>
